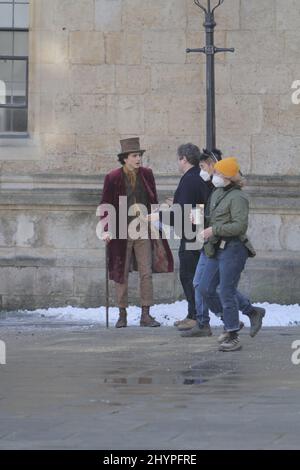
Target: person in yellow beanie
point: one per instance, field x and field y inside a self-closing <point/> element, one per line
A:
<point x="227" y="249"/>
<point x="229" y="166"/>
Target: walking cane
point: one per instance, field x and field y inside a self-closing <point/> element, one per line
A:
<point x="106" y="286"/>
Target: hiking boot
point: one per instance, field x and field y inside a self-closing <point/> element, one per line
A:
<point x="147" y="320"/>
<point x="178" y="322"/>
<point x="225" y="333"/>
<point x="122" y="321"/>
<point x="197" y="331"/>
<point x="187" y="325"/>
<point x="256" y="317"/>
<point x="231" y="343"/>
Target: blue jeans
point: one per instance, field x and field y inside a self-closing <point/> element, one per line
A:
<point x="201" y="306"/>
<point x="224" y="270"/>
<point x="244" y="303"/>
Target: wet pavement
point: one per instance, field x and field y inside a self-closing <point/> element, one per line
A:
<point x="69" y="386"/>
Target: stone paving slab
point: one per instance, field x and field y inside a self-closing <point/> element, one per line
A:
<point x="84" y="387"/>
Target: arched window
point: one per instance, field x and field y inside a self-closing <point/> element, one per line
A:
<point x="14" y="23"/>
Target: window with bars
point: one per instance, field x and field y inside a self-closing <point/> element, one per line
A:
<point x="14" y="24"/>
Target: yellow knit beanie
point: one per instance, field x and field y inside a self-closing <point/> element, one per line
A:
<point x="229" y="167"/>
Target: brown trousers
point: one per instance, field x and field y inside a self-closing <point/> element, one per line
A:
<point x="143" y="254"/>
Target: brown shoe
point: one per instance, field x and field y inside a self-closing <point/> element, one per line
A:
<point x="187" y="325"/>
<point x="197" y="331"/>
<point x="122" y="321"/>
<point x="231" y="343"/>
<point x="178" y="322"/>
<point x="225" y="335"/>
<point x="147" y="320"/>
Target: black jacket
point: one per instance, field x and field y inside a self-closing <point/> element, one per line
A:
<point x="191" y="190"/>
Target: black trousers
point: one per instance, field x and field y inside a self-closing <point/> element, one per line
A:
<point x="188" y="260"/>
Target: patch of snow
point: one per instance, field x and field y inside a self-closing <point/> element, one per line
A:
<point x="276" y="315"/>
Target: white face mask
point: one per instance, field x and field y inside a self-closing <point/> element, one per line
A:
<point x="205" y="175"/>
<point x="218" y="181"/>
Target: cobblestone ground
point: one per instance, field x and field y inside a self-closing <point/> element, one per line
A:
<point x="75" y="387"/>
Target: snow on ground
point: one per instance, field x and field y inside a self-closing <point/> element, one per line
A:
<point x="276" y="315"/>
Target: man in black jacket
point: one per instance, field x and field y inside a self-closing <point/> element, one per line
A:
<point x="191" y="191"/>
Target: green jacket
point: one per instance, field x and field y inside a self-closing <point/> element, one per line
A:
<point x="228" y="216"/>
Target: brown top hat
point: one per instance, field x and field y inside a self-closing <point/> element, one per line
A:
<point x="131" y="145"/>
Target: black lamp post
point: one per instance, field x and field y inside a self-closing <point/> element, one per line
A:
<point x="210" y="50"/>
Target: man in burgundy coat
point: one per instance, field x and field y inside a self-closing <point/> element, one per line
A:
<point x="136" y="185"/>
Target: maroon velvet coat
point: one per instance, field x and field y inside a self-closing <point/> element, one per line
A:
<point x="114" y="186"/>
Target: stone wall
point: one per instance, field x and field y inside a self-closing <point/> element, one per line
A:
<point x="101" y="70"/>
<point x="50" y="254"/>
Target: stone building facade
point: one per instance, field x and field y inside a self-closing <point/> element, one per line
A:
<point x="101" y="70"/>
